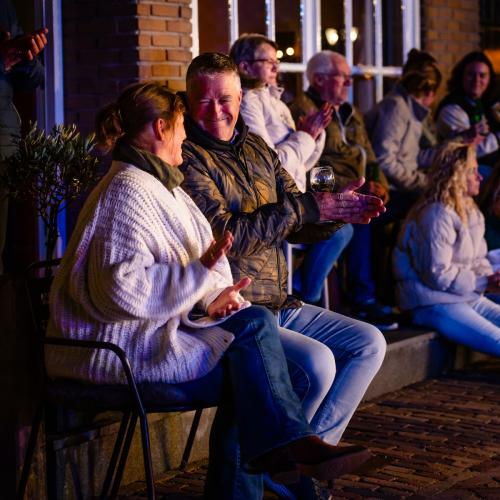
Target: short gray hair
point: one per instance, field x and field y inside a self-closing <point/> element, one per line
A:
<point x="322" y="62"/>
<point x="209" y="64"/>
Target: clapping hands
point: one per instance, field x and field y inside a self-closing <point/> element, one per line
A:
<point x="315" y="123"/>
<point x="22" y="48"/>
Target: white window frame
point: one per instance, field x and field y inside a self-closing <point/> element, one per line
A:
<point x="50" y="99"/>
<point x="311" y="35"/>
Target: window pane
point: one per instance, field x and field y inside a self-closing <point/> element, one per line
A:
<point x="364" y="30"/>
<point x="213" y="22"/>
<point x="288" y="29"/>
<point x="392" y="30"/>
<point x="364" y="92"/>
<point x="332" y="26"/>
<point x="293" y="83"/>
<point x="389" y="82"/>
<point x="252" y="16"/>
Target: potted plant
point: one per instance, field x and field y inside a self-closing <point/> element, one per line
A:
<point x="51" y="169"/>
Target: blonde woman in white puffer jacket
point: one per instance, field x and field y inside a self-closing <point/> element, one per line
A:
<point x="440" y="261"/>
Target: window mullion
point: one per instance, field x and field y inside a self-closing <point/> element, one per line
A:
<point x="411" y="25"/>
<point x="379" y="81"/>
<point x="234" y="29"/>
<point x="271" y="19"/>
<point x="310" y="26"/>
<point x="348" y="28"/>
<point x="195" y="29"/>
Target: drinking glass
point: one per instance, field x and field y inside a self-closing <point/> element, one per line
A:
<point x="322" y="178"/>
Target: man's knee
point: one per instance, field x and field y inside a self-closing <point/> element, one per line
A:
<point x="374" y="341"/>
<point x="319" y="363"/>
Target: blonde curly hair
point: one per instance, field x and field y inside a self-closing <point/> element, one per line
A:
<point x="447" y="180"/>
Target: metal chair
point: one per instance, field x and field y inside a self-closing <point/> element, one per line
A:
<point x="288" y="248"/>
<point x="73" y="395"/>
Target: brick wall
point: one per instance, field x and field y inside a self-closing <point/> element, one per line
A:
<point x="450" y="29"/>
<point x="111" y="43"/>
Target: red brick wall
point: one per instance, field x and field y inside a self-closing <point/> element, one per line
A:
<point x="450" y="29"/>
<point x="164" y="40"/>
<point x="111" y="43"/>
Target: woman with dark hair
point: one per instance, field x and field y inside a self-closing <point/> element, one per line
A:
<point x="141" y="261"/>
<point x="395" y="125"/>
<point x="440" y="260"/>
<point x="467" y="111"/>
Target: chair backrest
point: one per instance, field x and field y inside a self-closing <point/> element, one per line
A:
<point x="38" y="280"/>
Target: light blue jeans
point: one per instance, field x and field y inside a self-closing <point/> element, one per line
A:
<point x="319" y="259"/>
<point x="474" y="324"/>
<point x="341" y="356"/>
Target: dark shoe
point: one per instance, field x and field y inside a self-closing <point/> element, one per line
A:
<point x="310" y="456"/>
<point x="346" y="461"/>
<point x="378" y="315"/>
<point x="315" y="458"/>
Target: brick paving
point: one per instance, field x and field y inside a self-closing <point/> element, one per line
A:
<point x="436" y="439"/>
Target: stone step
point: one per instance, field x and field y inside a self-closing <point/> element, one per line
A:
<point x="416" y="354"/>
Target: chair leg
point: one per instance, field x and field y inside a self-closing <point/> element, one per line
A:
<point x="123" y="456"/>
<point x="35" y="429"/>
<point x="190" y="440"/>
<point x="148" y="463"/>
<point x="115" y="455"/>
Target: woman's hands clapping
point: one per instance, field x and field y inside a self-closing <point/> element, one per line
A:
<point x="229" y="300"/>
<point x="217" y="249"/>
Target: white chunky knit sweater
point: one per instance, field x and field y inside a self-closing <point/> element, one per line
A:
<point x="130" y="275"/>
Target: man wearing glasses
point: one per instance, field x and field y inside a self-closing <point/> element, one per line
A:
<point x="348" y="151"/>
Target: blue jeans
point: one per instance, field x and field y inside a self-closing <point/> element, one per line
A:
<point x="319" y="260"/>
<point x="358" y="350"/>
<point x="474" y="324"/>
<point x="258" y="409"/>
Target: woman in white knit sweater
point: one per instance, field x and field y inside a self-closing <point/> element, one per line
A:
<point x="141" y="262"/>
<point x="440" y="261"/>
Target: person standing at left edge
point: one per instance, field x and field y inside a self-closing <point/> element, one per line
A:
<point x="20" y="69"/>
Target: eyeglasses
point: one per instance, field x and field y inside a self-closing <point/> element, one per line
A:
<point x="270" y="62"/>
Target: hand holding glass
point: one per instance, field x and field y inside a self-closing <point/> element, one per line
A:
<point x="322" y="179"/>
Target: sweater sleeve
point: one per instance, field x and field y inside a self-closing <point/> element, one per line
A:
<point x="388" y="134"/>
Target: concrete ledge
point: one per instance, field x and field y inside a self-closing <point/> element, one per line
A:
<point x="412" y="355"/>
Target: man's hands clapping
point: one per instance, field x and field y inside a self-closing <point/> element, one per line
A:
<point x="349" y="205"/>
<point x="314" y="123"/>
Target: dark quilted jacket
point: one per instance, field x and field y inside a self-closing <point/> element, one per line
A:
<point x="240" y="186"/>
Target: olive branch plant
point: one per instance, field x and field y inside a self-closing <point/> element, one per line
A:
<point x="52" y="170"/>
